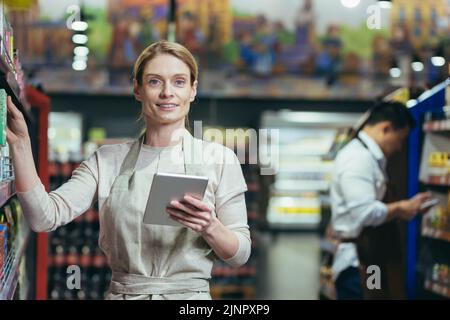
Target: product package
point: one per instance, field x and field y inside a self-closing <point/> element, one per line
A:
<point x="3" y="116"/>
<point x="12" y="231"/>
<point x="3" y="246"/>
<point x="16" y="212"/>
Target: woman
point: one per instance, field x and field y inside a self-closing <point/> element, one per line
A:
<point x="148" y="261"/>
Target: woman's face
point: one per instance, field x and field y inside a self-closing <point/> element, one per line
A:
<point x="166" y="91"/>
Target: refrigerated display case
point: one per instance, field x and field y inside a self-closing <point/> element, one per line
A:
<point x="307" y="142"/>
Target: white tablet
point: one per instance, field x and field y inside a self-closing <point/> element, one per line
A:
<point x="167" y="187"/>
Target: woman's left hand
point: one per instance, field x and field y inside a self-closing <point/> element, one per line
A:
<point x="192" y="213"/>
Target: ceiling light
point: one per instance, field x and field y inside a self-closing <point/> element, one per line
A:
<point x="350" y="3"/>
<point x="79" y="38"/>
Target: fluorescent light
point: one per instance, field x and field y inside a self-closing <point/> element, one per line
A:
<point x="417" y="66"/>
<point x="80" y="58"/>
<point x="395" y="72"/>
<point x="79" y="25"/>
<point x="411" y="103"/>
<point x="350" y="3"/>
<point x="81" y="51"/>
<point x="79" y="65"/>
<point x="385" y="4"/>
<point x="438" y="61"/>
<point x="79" y="38"/>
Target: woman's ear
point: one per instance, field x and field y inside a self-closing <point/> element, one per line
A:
<point x="136" y="90"/>
<point x="194" y="91"/>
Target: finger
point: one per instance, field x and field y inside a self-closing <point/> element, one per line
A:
<point x="191" y="226"/>
<point x="9" y="133"/>
<point x="197" y="203"/>
<point x="188" y="224"/>
<point x="193" y="211"/>
<point x="183" y="207"/>
<point x="181" y="215"/>
<point x="12" y="108"/>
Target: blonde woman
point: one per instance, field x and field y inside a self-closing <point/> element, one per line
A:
<point x="148" y="261"/>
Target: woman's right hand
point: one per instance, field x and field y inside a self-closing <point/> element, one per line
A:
<point x="17" y="129"/>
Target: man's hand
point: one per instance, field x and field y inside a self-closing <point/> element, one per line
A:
<point x="408" y="209"/>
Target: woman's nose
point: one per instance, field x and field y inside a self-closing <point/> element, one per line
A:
<point x="166" y="90"/>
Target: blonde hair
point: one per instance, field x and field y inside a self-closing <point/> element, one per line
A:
<point x="165" y="47"/>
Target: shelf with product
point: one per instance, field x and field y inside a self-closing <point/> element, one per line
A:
<point x="429" y="170"/>
<point x="18" y="263"/>
<point x="14" y="237"/>
<point x="75" y="244"/>
<point x="12" y="78"/>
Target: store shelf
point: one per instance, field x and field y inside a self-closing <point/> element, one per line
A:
<point x="437" y="126"/>
<point x="436" y="234"/>
<point x="248" y="291"/>
<point x="78" y="259"/>
<point x="10" y="84"/>
<point x="438" y="288"/>
<point x="252" y="215"/>
<point x="7" y="190"/>
<point x="10" y="271"/>
<point x="437" y="184"/>
<point x="301" y="185"/>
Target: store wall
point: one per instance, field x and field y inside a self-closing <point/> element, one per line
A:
<point x="119" y="114"/>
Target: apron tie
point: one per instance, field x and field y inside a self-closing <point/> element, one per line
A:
<point x="126" y="283"/>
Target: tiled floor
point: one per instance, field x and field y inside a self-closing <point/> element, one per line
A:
<point x="289" y="266"/>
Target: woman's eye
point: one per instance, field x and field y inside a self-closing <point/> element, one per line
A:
<point x="154" y="82"/>
<point x="180" y="82"/>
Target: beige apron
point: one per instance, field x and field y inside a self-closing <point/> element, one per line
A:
<point x="150" y="261"/>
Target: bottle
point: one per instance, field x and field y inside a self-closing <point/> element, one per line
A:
<point x="435" y="273"/>
<point x="72" y="256"/>
<point x="85" y="258"/>
<point x="59" y="259"/>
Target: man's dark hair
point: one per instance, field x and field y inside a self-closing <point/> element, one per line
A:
<point x="394" y="112"/>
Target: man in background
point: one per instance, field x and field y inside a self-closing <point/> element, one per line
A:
<point x="358" y="195"/>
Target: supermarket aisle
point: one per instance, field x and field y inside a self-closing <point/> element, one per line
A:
<point x="289" y="266"/>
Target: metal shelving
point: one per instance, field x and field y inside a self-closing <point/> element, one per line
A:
<point x="10" y="84"/>
<point x="438" y="288"/>
<point x="10" y="271"/>
<point x="7" y="190"/>
<point x="436" y="234"/>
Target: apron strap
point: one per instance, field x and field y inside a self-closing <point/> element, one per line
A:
<point x="131" y="158"/>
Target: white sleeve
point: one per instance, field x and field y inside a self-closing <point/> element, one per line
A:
<point x="44" y="212"/>
<point x="231" y="208"/>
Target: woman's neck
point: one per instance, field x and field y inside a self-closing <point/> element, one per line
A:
<point x="164" y="135"/>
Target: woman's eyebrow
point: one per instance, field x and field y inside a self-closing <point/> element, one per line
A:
<point x="158" y="75"/>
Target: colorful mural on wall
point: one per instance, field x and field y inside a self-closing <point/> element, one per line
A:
<point x="292" y="48"/>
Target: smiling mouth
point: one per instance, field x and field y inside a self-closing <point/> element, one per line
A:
<point x="166" y="106"/>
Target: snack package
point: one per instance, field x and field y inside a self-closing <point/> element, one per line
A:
<point x="3" y="246"/>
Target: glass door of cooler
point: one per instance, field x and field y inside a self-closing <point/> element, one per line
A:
<point x="306" y="144"/>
